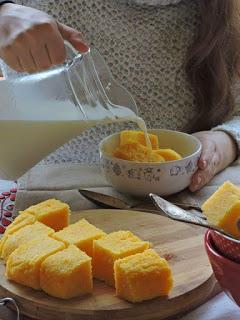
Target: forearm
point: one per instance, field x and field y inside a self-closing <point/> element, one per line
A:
<point x="2" y="2"/>
<point x="231" y="127"/>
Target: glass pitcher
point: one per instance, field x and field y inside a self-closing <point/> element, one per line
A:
<point x="42" y="111"/>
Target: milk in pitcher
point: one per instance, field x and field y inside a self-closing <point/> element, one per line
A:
<point x="41" y="112"/>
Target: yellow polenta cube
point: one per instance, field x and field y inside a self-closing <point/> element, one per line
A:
<point x="219" y="205"/>
<point x="67" y="274"/>
<point x="142" y="276"/>
<point x="154" y="157"/>
<point x="22" y="236"/>
<point x="23" y="265"/>
<point x="19" y="222"/>
<point x="53" y="213"/>
<point x="111" y="247"/>
<point x="133" y="151"/>
<point x="81" y="234"/>
<point x="136" y="136"/>
<point x="168" y="154"/>
<point x="231" y="220"/>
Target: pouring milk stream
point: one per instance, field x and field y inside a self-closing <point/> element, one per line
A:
<point x="41" y="112"/>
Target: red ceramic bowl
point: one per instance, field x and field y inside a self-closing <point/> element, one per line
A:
<point x="228" y="247"/>
<point x="226" y="271"/>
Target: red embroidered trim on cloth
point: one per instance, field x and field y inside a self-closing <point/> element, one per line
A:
<point x="7" y="201"/>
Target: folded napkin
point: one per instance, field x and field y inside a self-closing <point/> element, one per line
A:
<point x="58" y="181"/>
<point x="62" y="181"/>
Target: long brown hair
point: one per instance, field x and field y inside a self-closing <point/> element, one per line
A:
<point x="214" y="62"/>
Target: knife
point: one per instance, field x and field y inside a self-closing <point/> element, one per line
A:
<point x="175" y="213"/>
<point x="109" y="201"/>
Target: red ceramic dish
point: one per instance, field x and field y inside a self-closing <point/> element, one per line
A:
<point x="228" y="247"/>
<point x="226" y="271"/>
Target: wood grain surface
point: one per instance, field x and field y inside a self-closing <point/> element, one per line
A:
<point x="181" y="244"/>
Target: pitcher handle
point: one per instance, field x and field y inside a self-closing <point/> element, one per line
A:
<point x="6" y="71"/>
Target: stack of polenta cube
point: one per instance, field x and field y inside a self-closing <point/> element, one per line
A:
<point x="133" y="147"/>
<point x="44" y="252"/>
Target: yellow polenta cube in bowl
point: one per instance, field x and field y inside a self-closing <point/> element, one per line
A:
<point x="137" y="136"/>
<point x="22" y="236"/>
<point x="82" y="234"/>
<point x="111" y="247"/>
<point x="142" y="276"/>
<point x="52" y="212"/>
<point x="133" y="151"/>
<point x="67" y="274"/>
<point x="23" y="265"/>
<point x="131" y="167"/>
<point x="168" y="154"/>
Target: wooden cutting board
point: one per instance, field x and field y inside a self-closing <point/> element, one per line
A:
<point x="181" y="244"/>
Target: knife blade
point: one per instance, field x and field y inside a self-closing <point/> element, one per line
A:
<point x="176" y="213"/>
<point x="110" y="201"/>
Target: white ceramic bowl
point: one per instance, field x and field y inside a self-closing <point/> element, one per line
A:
<point x="140" y="179"/>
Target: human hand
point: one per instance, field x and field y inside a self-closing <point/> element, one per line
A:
<point x="218" y="151"/>
<point x="31" y="40"/>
